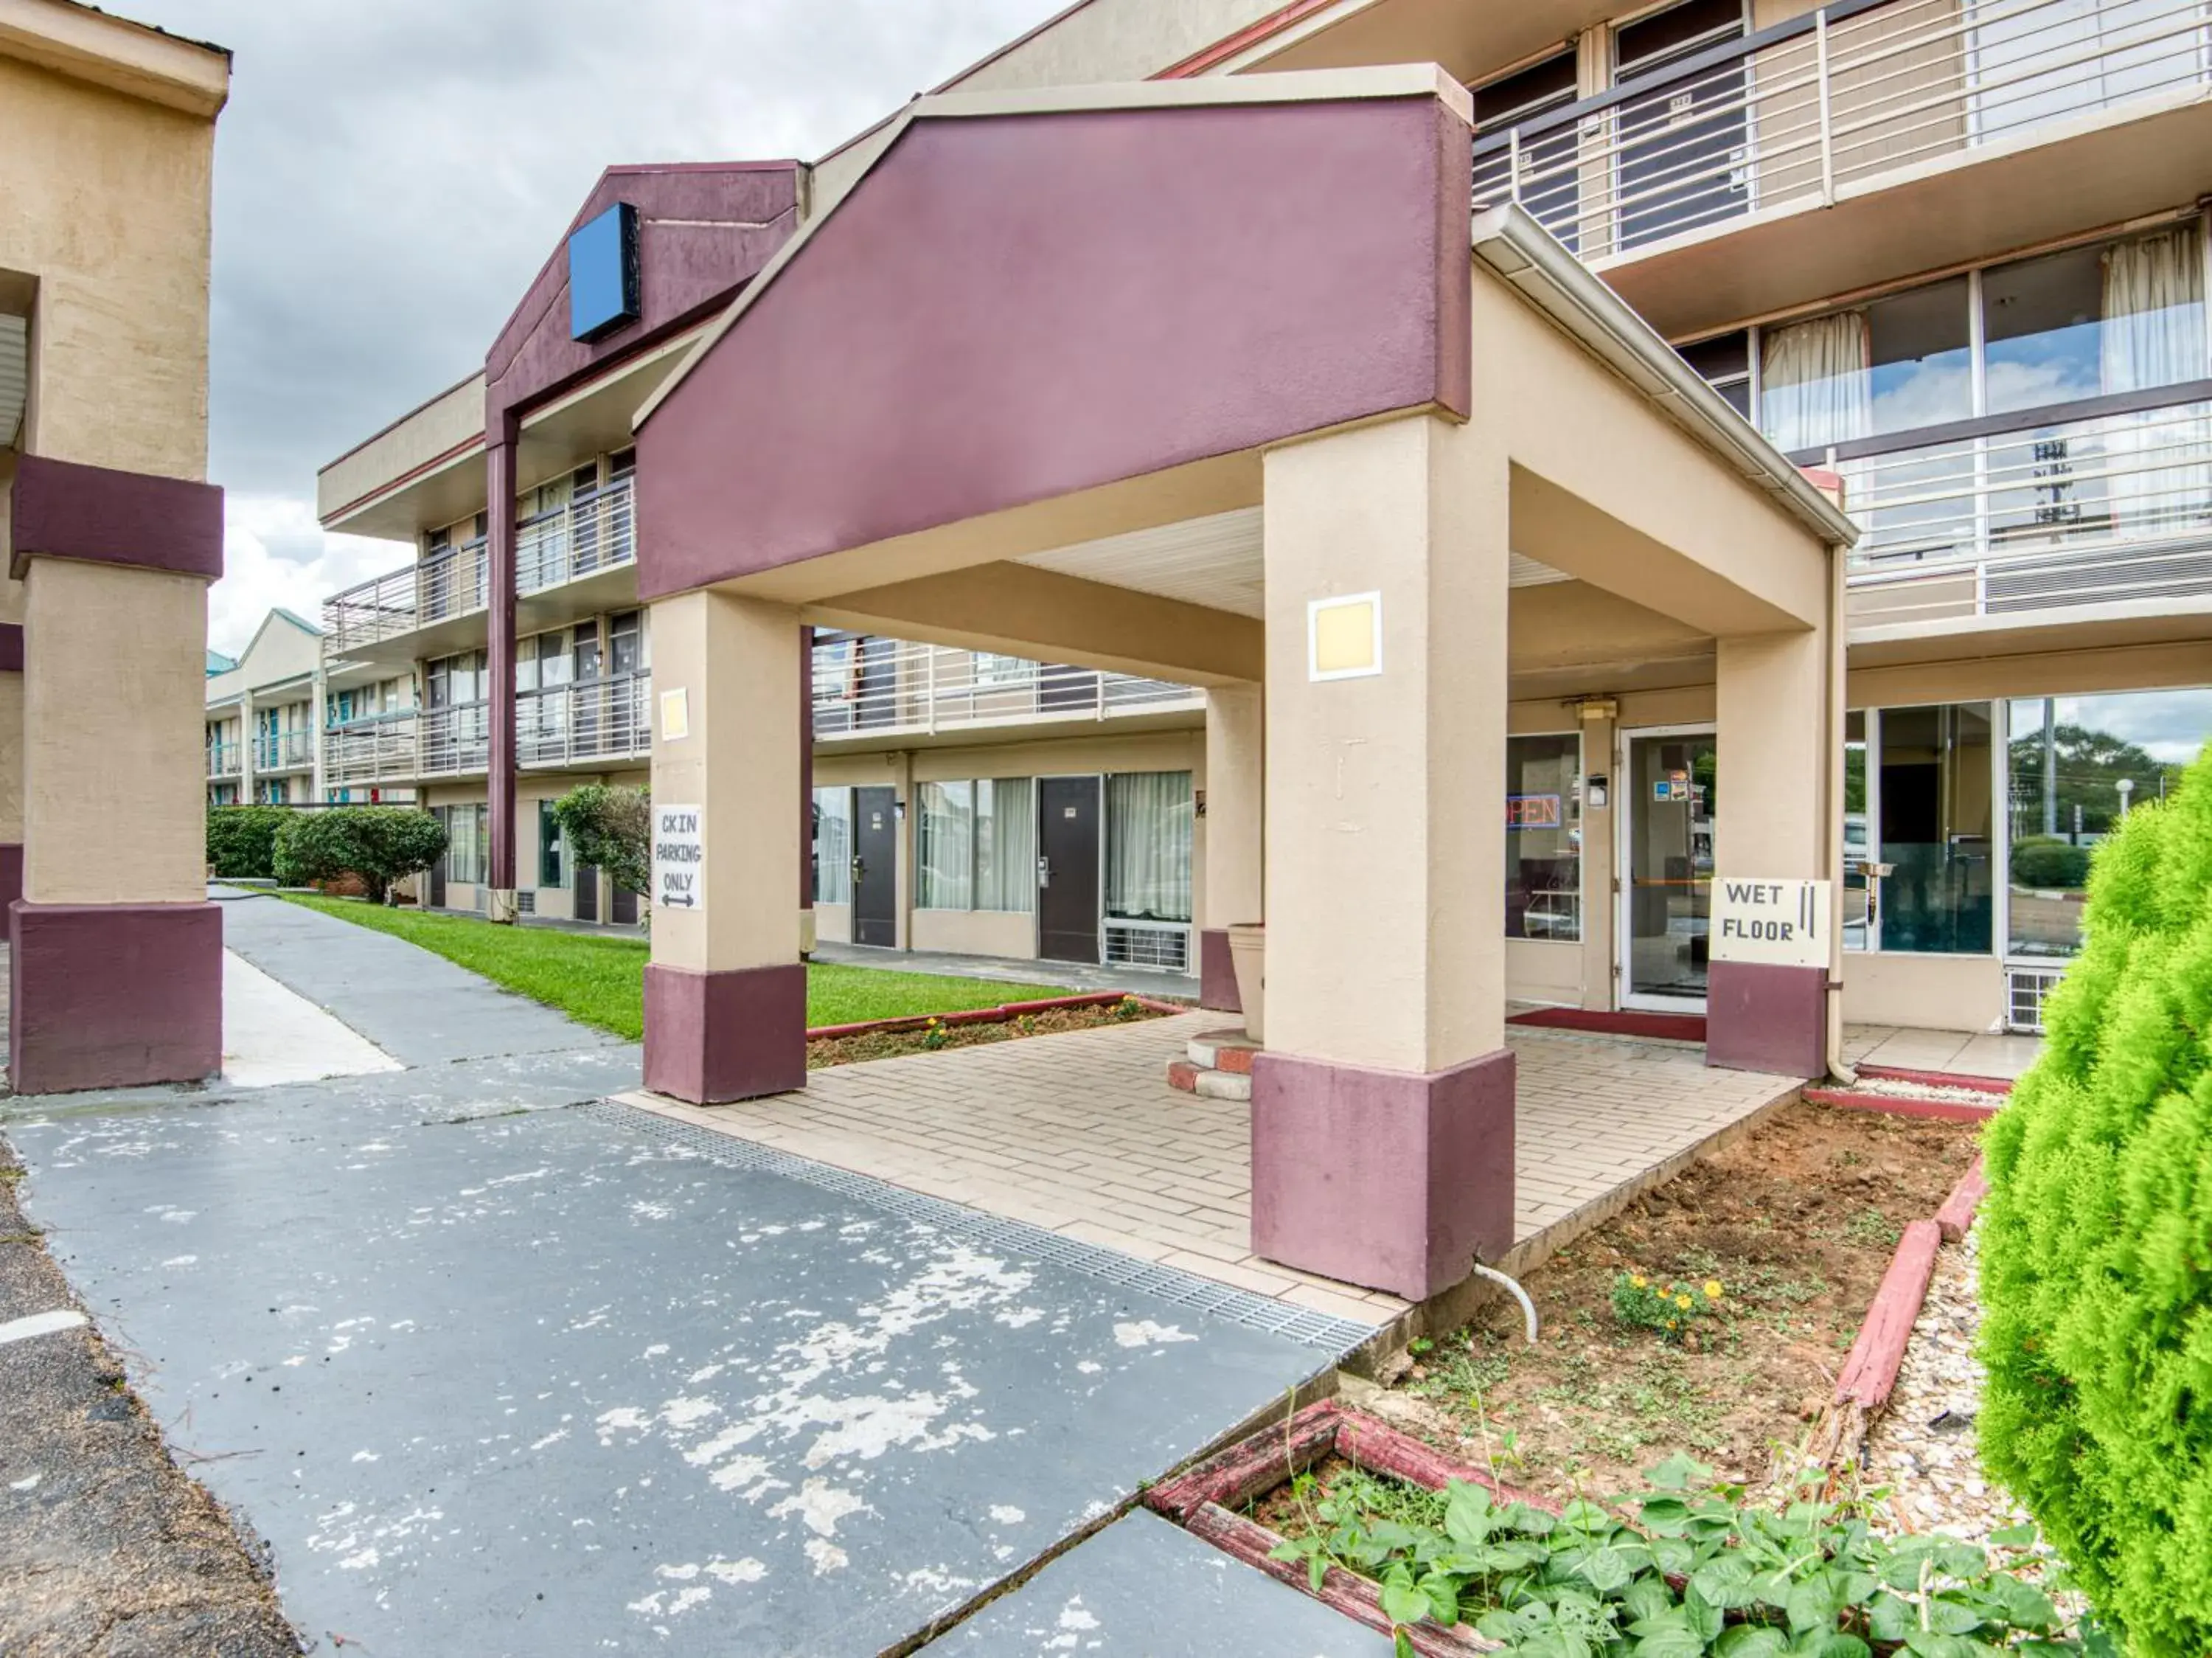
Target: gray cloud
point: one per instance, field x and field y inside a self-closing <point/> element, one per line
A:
<point x="390" y="176"/>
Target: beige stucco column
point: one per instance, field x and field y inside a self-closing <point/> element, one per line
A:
<point x="11" y="725"/>
<point x="1382" y="1106"/>
<point x="1236" y="821"/>
<point x="1775" y="947"/>
<point x="726" y="991"/>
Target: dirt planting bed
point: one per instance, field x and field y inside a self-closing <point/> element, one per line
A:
<point x="1793" y="1226"/>
<point x="922" y="1036"/>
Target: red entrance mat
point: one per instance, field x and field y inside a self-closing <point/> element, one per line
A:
<point x="1667" y="1026"/>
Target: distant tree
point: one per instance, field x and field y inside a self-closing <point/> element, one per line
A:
<point x="379" y="844"/>
<point x="2086" y="767"/>
<point x="610" y="828"/>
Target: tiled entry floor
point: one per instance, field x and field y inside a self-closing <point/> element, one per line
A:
<point x="1958" y="1053"/>
<point x="1081" y="1134"/>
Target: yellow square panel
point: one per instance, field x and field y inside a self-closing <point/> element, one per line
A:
<point x="1345" y="636"/>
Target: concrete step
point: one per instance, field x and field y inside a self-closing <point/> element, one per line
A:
<point x="1207" y="1083"/>
<point x="1229" y="1050"/>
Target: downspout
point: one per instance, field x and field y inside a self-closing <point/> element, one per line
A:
<point x="1835" y="716"/>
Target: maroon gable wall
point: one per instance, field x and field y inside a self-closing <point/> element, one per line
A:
<point x="704" y="229"/>
<point x="1009" y="309"/>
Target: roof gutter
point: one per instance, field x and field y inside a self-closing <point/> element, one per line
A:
<point x="1533" y="261"/>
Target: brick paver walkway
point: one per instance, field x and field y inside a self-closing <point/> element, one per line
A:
<point x="1081" y="1134"/>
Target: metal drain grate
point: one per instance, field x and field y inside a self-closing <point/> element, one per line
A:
<point x="1294" y="1323"/>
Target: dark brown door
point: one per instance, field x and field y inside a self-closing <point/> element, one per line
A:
<point x="621" y="907"/>
<point x="438" y="870"/>
<point x="1067" y="869"/>
<point x="587" y="893"/>
<point x="875" y="866"/>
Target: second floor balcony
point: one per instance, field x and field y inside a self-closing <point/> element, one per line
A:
<point x="876" y="687"/>
<point x="223" y="759"/>
<point x="2018" y="516"/>
<point x="596" y="722"/>
<point x="592" y="534"/>
<point x="283" y="750"/>
<point x="1856" y="99"/>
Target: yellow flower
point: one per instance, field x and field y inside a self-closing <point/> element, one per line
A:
<point x="1683" y="1302"/>
<point x="1712" y="1290"/>
<point x="1637" y="1280"/>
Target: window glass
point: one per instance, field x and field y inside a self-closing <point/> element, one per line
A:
<point x="2041" y="320"/>
<point x="2073" y="765"/>
<point x="1148" y="835"/>
<point x="1006" y="843"/>
<point x="1934" y="802"/>
<point x="1858" y="839"/>
<point x="1644" y="46"/>
<point x="1543" y="838"/>
<point x="833" y="846"/>
<point x="947" y="852"/>
<point x="467" y="829"/>
<point x="1724" y="363"/>
<point x="552" y="860"/>
<point x="1920" y="353"/>
<point x="1542" y="86"/>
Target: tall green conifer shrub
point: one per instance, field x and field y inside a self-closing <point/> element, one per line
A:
<point x="2097" y="1243"/>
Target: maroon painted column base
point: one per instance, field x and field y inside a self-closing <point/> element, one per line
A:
<point x="1217" y="973"/>
<point x="1762" y="1017"/>
<point x="112" y="996"/>
<point x="1389" y="1179"/>
<point x="11" y="874"/>
<point x="711" y="1037"/>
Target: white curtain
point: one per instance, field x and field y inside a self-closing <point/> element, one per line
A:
<point x="1814" y="382"/>
<point x="1148" y="832"/>
<point x="1006" y="843"/>
<point x="833" y="846"/>
<point x="2152" y="336"/>
<point x="948" y="846"/>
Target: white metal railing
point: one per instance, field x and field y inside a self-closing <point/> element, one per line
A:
<point x="454" y="582"/>
<point x="869" y="685"/>
<point x="380" y="748"/>
<point x="454" y="740"/>
<point x="2114" y="507"/>
<point x="598" y="719"/>
<point x="1812" y="105"/>
<point x="595" y="530"/>
<point x="223" y="759"/>
<point x="282" y="750"/>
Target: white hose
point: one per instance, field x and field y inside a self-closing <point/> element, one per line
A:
<point x="1528" y="1306"/>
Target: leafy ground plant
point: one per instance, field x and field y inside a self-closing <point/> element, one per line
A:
<point x="1696" y="1573"/>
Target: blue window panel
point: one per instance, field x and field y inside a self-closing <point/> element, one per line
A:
<point x="603" y="274"/>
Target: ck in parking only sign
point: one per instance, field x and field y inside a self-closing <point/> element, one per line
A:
<point x="679" y="856"/>
<point x="1783" y="923"/>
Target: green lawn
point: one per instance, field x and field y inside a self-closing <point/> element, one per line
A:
<point x="599" y="978"/>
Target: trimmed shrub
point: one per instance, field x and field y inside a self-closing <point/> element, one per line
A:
<point x="379" y="844"/>
<point x="2096" y="1248"/>
<point x="242" y="840"/>
<point x="609" y="828"/>
<point x="2051" y="863"/>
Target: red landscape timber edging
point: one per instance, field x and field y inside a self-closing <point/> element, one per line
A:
<point x="1205" y="1498"/>
<point x="1899" y="1105"/>
<point x="1869" y="1371"/>
<point x="998" y="1016"/>
<point x="1958" y="1211"/>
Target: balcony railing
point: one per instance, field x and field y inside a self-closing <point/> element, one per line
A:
<point x="454" y="740"/>
<point x="452" y="582"/>
<point x="283" y="750"/>
<point x="1808" y="107"/>
<point x="870" y="686"/>
<point x="598" y="719"/>
<point x="381" y="748"/>
<point x="595" y="530"/>
<point x="2035" y="515"/>
<point x="223" y="759"/>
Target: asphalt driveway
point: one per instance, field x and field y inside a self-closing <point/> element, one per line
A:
<point x="495" y="1367"/>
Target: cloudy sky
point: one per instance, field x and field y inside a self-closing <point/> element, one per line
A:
<point x="389" y="174"/>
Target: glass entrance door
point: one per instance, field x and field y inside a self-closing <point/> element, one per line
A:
<point x="1672" y="792"/>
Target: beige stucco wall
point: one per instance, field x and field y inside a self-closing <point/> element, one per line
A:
<point x="973" y="932"/>
<point x="1236" y="819"/>
<point x="1549" y="972"/>
<point x="2058" y="673"/>
<point x="833" y="923"/>
<point x="11" y="760"/>
<point x="114" y="770"/>
<point x="452" y="420"/>
<point x="1924" y="992"/>
<point x="105" y="201"/>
